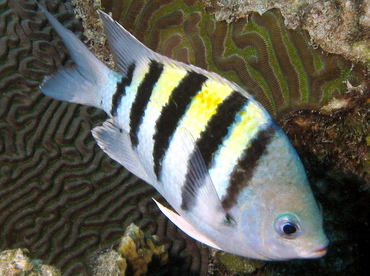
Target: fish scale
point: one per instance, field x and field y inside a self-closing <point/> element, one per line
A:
<point x="213" y="152"/>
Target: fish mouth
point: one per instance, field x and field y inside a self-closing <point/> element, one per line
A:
<point x="317" y="253"/>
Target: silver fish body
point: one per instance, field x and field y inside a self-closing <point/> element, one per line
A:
<point x="212" y="151"/>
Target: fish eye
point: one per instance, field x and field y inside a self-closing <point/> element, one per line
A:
<point x="287" y="226"/>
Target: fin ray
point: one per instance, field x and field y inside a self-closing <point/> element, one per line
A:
<point x="125" y="47"/>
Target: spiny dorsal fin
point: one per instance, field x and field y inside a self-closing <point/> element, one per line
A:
<point x="125" y="47"/>
<point x="127" y="50"/>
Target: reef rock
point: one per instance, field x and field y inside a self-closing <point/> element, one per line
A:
<point x="16" y="262"/>
<point x="340" y="27"/>
<point x="136" y="251"/>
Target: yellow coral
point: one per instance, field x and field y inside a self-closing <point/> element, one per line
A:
<point x="135" y="252"/>
<point x="138" y="249"/>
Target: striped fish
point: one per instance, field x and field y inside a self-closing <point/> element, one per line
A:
<point x="226" y="168"/>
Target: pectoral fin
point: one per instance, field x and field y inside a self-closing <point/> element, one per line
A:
<point x="199" y="195"/>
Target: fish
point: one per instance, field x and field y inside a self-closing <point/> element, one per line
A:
<point x="230" y="174"/>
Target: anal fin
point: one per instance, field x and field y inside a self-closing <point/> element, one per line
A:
<point x="117" y="144"/>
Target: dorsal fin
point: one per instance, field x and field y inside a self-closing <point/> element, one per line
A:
<point x="127" y="50"/>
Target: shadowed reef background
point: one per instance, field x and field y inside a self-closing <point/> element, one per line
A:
<point x="64" y="200"/>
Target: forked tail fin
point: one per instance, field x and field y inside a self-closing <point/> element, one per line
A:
<point x="81" y="82"/>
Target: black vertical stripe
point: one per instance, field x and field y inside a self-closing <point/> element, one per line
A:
<point x="140" y="103"/>
<point x="121" y="89"/>
<point x="247" y="165"/>
<point x="217" y="128"/>
<point x="212" y="137"/>
<point x="167" y="123"/>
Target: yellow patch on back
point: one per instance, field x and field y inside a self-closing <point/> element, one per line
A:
<point x="249" y="121"/>
<point x="169" y="80"/>
<point x="204" y="106"/>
